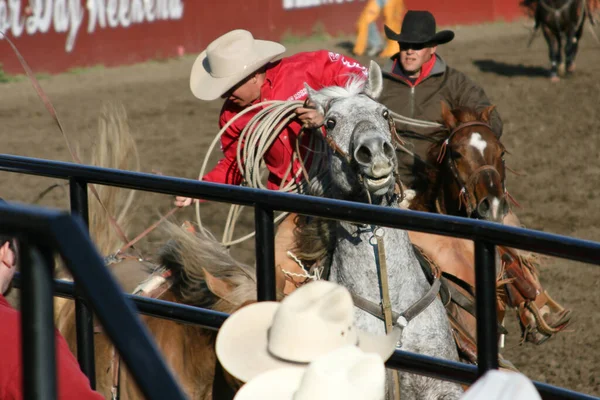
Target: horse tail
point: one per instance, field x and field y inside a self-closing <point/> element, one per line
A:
<point x="204" y="272"/>
<point x="115" y="148"/>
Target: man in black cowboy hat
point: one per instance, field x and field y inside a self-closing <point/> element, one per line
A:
<point x="419" y="80"/>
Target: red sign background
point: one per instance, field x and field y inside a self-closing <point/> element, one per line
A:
<point x="200" y="23"/>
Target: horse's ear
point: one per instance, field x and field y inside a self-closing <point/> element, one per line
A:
<point x="448" y="117"/>
<point x="319" y="100"/>
<point x="217" y="286"/>
<point x="486" y="114"/>
<point x="374" y="85"/>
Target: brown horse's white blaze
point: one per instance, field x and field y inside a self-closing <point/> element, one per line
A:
<point x="492" y="204"/>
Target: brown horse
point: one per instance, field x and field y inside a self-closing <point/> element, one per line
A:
<point x="466" y="170"/>
<point x="561" y="19"/>
<point x="201" y="273"/>
<point x="466" y="174"/>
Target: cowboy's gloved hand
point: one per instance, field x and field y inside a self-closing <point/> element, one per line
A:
<point x="309" y="116"/>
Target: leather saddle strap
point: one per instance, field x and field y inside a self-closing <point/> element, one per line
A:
<point x="411" y="312"/>
<point x="464" y="302"/>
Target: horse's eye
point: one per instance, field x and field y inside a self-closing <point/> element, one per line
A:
<point x="455" y="154"/>
<point x="330" y="123"/>
<point x="386" y="114"/>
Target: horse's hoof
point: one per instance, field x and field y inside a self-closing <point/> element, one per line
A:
<point x="571" y="68"/>
<point x="554" y="78"/>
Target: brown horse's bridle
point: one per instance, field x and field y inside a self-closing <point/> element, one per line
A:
<point x="464" y="194"/>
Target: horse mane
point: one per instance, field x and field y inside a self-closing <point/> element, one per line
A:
<point x="353" y="87"/>
<point x="189" y="255"/>
<point x="315" y="236"/>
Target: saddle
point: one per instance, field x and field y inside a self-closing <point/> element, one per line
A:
<point x="518" y="288"/>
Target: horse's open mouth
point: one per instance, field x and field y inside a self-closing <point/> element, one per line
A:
<point x="378" y="186"/>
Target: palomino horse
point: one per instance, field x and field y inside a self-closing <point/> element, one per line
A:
<point x="466" y="173"/>
<point x="362" y="167"/>
<point x="200" y="273"/>
<point x="561" y="21"/>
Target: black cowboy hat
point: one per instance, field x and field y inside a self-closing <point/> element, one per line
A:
<point x="419" y="27"/>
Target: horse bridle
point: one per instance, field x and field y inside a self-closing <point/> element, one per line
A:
<point x="464" y="194"/>
<point x="348" y="159"/>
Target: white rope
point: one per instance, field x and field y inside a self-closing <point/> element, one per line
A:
<point x="315" y="277"/>
<point x="255" y="140"/>
<point x="415" y="122"/>
<point x="258" y="135"/>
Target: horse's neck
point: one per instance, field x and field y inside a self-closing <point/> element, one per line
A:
<point x="354" y="264"/>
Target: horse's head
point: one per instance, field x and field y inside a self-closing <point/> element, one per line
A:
<point x="471" y="160"/>
<point x="359" y="131"/>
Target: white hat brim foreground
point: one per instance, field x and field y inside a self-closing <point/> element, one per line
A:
<point x="282" y="383"/>
<point x="242" y="342"/>
<point x="207" y="87"/>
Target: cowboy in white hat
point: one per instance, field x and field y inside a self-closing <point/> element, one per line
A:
<point x="347" y="373"/>
<point x="313" y="321"/>
<point x="243" y="71"/>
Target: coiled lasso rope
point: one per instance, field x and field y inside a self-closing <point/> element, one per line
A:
<point x="255" y="140"/>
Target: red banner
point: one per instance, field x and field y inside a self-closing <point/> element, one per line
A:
<point x="55" y="35"/>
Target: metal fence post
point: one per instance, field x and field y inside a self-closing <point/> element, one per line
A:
<point x="37" y="323"/>
<point x="485" y="296"/>
<point x="265" y="253"/>
<point x="83" y="316"/>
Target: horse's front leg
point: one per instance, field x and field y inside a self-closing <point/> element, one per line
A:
<point x="571" y="48"/>
<point x="554" y="51"/>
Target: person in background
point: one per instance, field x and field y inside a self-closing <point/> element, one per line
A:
<point x="368" y="37"/>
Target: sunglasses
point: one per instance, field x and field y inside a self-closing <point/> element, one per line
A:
<point x="413" y="46"/>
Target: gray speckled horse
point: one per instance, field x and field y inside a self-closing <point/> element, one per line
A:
<point x="362" y="167"/>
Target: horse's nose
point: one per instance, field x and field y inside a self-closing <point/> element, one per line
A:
<point x="493" y="208"/>
<point x="373" y="151"/>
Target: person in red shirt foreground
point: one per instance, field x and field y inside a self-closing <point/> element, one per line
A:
<point x="240" y="69"/>
<point x="72" y="383"/>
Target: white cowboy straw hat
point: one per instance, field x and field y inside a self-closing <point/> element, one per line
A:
<point x="346" y="374"/>
<point x="227" y="61"/>
<point x="314" y="320"/>
<point x="502" y="385"/>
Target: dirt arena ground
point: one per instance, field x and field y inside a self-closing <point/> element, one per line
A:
<point x="551" y="131"/>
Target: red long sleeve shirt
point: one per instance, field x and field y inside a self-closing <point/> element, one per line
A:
<point x="72" y="383"/>
<point x="284" y="81"/>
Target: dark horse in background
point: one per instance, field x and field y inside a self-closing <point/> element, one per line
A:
<point x="562" y="24"/>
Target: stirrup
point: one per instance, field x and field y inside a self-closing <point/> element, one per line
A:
<point x="538" y="324"/>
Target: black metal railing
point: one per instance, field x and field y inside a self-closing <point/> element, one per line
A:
<point x="486" y="236"/>
<point x="41" y="233"/>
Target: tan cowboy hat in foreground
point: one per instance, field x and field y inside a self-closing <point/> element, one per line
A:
<point x="228" y="60"/>
<point x="314" y="320"/>
<point x="346" y="374"/>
